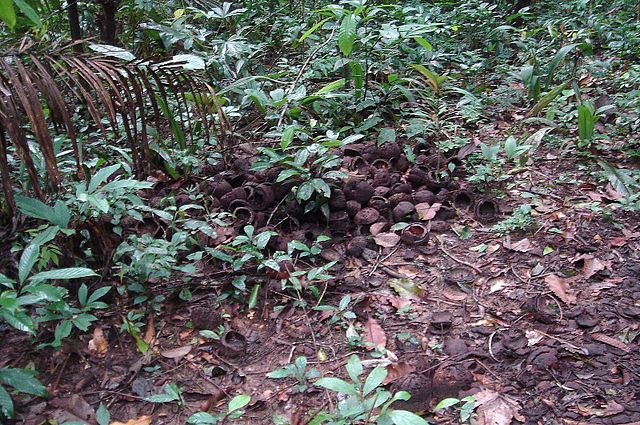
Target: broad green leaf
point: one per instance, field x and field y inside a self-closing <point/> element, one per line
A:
<point x="112" y="51"/>
<point x="262" y="239"/>
<point x="6" y="404"/>
<point x="98" y="293"/>
<point x="347" y="34"/>
<point x="83" y="321"/>
<point x="510" y="146"/>
<point x="46" y="292"/>
<point x="374" y="379"/>
<point x="19" y="320"/>
<point x="559" y="56"/>
<point x="63" y="330"/>
<point x="311" y="30"/>
<point x="173" y="390"/>
<point x="620" y="179"/>
<point x="102" y="415"/>
<point x="586" y="121"/>
<point x="546" y="100"/>
<point x="160" y="398"/>
<point x="238" y="402"/>
<point x="287" y="136"/>
<point x="283" y="372"/>
<point x="22" y="381"/>
<point x="447" y="402"/>
<point x="387" y="134"/>
<point x="321" y="187"/>
<point x="202" y="418"/>
<point x="7" y="13"/>
<point x="334" y="85"/>
<point x="83" y="292"/>
<point x="424" y="43"/>
<point x="434" y="80"/>
<point x="354" y="368"/>
<point x="253" y="298"/>
<point x="403" y="417"/>
<point x="46" y="236"/>
<point x="305" y="191"/>
<point x="101" y="176"/>
<point x="29" y="12"/>
<point x="34" y="207"/>
<point x="357" y="74"/>
<point x="28" y="259"/>
<point x="5" y="281"/>
<point x="189" y="62"/>
<point x="338" y="385"/>
<point x="68" y="273"/>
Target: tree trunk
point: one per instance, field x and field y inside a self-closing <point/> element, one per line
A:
<point x="74" y="24"/>
<point x="108" y="26"/>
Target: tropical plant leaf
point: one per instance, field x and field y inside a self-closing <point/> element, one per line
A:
<point x="6" y="404"/>
<point x="375" y="378"/>
<point x="557" y="58"/>
<point x="347" y="34"/>
<point x="403" y="417"/>
<point x="7" y="13"/>
<point x="338" y="385"/>
<point x="28" y="259"/>
<point x="18" y="320"/>
<point x="29" y="12"/>
<point x="67" y="273"/>
<point x="22" y="381"/>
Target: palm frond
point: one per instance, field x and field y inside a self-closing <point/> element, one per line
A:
<point x="41" y="90"/>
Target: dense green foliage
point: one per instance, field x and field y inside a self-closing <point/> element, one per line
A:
<point x="302" y="79"/>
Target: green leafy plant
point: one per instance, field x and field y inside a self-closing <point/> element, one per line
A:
<point x="520" y="220"/>
<point x="22" y="381"/>
<point x="298" y="370"/>
<point x="587" y="119"/>
<point x="311" y="167"/>
<point x="364" y="402"/>
<point x="133" y="324"/>
<point x="172" y="393"/>
<point x="467" y="405"/>
<point x="234" y="411"/>
<point x="35" y="289"/>
<point x="69" y="317"/>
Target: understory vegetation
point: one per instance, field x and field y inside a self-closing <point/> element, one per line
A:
<point x="157" y="154"/>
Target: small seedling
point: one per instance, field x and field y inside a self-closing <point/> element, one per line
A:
<point x="234" y="411"/>
<point x="297" y="370"/>
<point x="467" y="406"/>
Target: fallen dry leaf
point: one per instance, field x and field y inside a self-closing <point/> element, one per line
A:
<point x="397" y="370"/>
<point x="560" y="287"/>
<point x="142" y="420"/>
<point x="150" y="333"/>
<point x="387" y="239"/>
<point x="176" y="353"/>
<point x="521" y="246"/>
<point x="426" y="211"/>
<point x="493" y="409"/>
<point x="605" y="339"/>
<point x="374" y="334"/>
<point x="618" y="241"/>
<point x="592" y="266"/>
<point x="98" y="343"/>
<point x="454" y="294"/>
<point x="409" y="271"/>
<point x="376" y="228"/>
<point x="398" y="302"/>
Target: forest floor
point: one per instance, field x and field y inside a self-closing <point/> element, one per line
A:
<point x="541" y="325"/>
